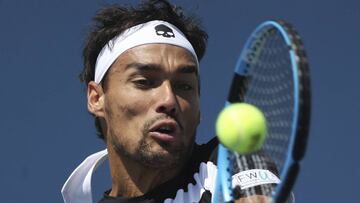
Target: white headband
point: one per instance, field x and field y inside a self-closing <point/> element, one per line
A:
<point x="147" y="33"/>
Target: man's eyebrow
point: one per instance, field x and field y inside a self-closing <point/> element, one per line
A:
<point x="188" y="69"/>
<point x="152" y="67"/>
<point x="143" y="67"/>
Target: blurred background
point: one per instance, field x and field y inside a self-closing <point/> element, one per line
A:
<point x="46" y="130"/>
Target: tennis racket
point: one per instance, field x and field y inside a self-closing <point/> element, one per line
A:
<point x="272" y="74"/>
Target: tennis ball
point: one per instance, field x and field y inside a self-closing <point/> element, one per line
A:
<point x="241" y="127"/>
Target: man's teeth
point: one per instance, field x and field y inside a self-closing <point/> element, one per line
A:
<point x="166" y="129"/>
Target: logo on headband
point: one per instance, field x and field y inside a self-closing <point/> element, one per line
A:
<point x="163" y="30"/>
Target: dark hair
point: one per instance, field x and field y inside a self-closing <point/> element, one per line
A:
<point x="113" y="20"/>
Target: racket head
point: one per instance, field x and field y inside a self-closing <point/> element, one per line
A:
<point x="272" y="73"/>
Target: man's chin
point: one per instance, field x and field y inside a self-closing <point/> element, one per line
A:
<point x="162" y="158"/>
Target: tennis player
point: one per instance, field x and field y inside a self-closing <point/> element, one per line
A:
<point x="141" y="68"/>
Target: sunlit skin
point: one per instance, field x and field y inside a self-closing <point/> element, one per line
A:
<point x="147" y="87"/>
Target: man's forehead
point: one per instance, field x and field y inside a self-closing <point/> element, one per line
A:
<point x="155" y="67"/>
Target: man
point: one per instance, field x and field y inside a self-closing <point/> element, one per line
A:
<point x="141" y="68"/>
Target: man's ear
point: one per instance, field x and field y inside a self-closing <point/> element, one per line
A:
<point x="95" y="99"/>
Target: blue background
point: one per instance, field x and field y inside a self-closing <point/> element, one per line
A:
<point x="46" y="130"/>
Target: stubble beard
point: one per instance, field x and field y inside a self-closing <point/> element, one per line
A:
<point x="172" y="159"/>
<point x="144" y="154"/>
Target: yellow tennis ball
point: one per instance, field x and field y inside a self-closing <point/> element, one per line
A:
<point x="241" y="127"/>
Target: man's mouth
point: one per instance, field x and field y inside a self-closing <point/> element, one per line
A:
<point x="165" y="131"/>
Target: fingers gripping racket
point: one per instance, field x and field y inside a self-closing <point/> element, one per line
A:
<point x="272" y="74"/>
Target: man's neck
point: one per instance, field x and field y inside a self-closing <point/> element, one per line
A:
<point x="131" y="179"/>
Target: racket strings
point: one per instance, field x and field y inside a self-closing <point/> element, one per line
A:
<point x="269" y="86"/>
<point x="274" y="96"/>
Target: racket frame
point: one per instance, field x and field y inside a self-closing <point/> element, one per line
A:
<point x="300" y="125"/>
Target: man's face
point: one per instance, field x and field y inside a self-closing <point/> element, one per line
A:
<point x="151" y="104"/>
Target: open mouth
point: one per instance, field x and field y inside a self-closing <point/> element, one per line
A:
<point x="165" y="131"/>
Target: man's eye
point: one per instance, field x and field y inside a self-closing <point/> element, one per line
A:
<point x="184" y="87"/>
<point x="144" y="83"/>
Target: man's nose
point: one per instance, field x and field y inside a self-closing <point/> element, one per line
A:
<point x="167" y="101"/>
